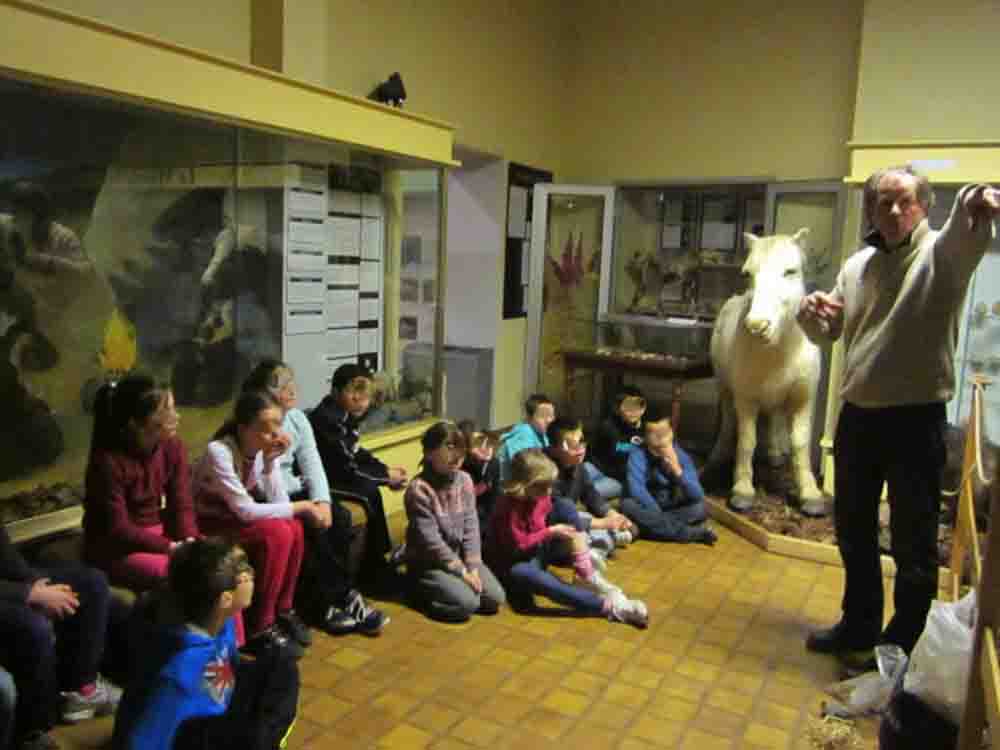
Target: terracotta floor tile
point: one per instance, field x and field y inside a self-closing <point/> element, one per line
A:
<point x="476" y="731"/>
<point x="622" y="693"/>
<point x="717" y="721"/>
<point x="406" y="737"/>
<point x="765" y="736"/>
<point x="325" y="710"/>
<point x="776" y="715"/>
<point x="695" y="739"/>
<point x="434" y="717"/>
<point x="660" y="733"/>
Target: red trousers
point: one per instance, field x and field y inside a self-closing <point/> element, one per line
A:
<point x="275" y="547"/>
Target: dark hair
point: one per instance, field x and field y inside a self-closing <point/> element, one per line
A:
<point x="266" y="375"/>
<point x="245" y="411"/>
<point x="560" y="426"/>
<point x="347" y="374"/>
<point x="199" y="572"/>
<point x="925" y="193"/>
<point x="474" y="434"/>
<point x="534" y="401"/>
<point x="33" y="197"/>
<point x="443" y="433"/>
<point x="629" y="391"/>
<point x="116" y="404"/>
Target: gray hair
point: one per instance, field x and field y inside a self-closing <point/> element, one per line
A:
<point x="925" y="193"/>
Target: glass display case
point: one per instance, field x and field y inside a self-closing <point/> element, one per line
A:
<point x="678" y="249"/>
<point x="132" y="239"/>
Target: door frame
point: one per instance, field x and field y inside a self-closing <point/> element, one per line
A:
<point x="536" y="260"/>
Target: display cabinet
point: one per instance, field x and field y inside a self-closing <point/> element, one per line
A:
<point x="188" y="244"/>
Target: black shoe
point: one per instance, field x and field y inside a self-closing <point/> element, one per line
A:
<point x="273" y="638"/>
<point x="370" y="621"/>
<point x="834" y="640"/>
<point x="338" y="622"/>
<point x="291" y="624"/>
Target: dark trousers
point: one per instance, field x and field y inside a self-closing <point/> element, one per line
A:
<point x="532" y="577"/>
<point x="377" y="541"/>
<point x="667" y="521"/>
<point x="904" y="446"/>
<point x="46" y="656"/>
<point x="326" y="576"/>
<point x="260" y="714"/>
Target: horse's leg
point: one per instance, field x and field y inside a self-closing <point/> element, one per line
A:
<point x="800" y="423"/>
<point x="746" y="442"/>
<point x="777" y="438"/>
<point x="725" y="441"/>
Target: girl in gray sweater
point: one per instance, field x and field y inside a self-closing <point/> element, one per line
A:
<point x="445" y="570"/>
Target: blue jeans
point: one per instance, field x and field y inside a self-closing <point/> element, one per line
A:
<point x="531" y="577"/>
<point x="565" y="511"/>
<point x="605" y="486"/>
<point x="663" y="522"/>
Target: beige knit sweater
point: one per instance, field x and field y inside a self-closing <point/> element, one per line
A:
<point x="901" y="312"/>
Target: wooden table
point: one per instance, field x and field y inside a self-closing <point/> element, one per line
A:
<point x="676" y="369"/>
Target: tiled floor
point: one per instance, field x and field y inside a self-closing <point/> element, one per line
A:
<point x="722" y="665"/>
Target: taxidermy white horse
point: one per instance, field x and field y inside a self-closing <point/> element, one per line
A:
<point x="765" y="364"/>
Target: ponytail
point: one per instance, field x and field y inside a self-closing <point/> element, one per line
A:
<point x="117" y="403"/>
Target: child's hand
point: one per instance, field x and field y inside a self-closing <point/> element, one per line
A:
<point x="472" y="578"/>
<point x="56" y="600"/>
<point x="398" y="477"/>
<point x="563" y="531"/>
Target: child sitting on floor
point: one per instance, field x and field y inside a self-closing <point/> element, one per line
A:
<point x="520" y="546"/>
<point x="531" y="433"/>
<point x="608" y="528"/>
<point x="617" y="437"/>
<point x="482" y="465"/>
<point x="444" y="562"/>
<point x="191" y="689"/>
<point x="665" y="500"/>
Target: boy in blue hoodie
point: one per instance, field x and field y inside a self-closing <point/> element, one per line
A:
<point x="192" y="688"/>
<point x="666" y="500"/>
<point x="531" y="433"/>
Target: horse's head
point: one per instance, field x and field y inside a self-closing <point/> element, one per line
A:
<point x="773" y="270"/>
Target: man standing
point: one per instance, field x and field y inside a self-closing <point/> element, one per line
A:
<point x="897" y="303"/>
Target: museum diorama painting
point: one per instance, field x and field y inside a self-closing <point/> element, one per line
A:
<point x="132" y="240"/>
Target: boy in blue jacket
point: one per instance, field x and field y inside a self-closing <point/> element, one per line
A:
<point x="192" y="688"/>
<point x="531" y="433"/>
<point x="666" y="500"/>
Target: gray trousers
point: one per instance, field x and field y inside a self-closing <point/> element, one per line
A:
<point x="444" y="596"/>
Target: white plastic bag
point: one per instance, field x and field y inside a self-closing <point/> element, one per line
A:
<point x="870" y="692"/>
<point x="939" y="665"/>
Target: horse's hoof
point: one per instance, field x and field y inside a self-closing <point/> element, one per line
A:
<point x="816" y="508"/>
<point x="740" y="503"/>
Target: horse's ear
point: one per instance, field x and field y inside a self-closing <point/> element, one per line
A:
<point x="750" y="239"/>
<point x="801" y="237"/>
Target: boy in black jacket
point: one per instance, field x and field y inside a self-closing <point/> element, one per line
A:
<point x="616" y="437"/>
<point x="350" y="469"/>
<point x="52" y="632"/>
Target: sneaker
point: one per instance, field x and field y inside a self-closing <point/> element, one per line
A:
<point x="273" y="637"/>
<point x="292" y="626"/>
<point x="622" y="537"/>
<point x="598" y="559"/>
<point x="598" y="584"/>
<point x="629" y="611"/>
<point x="370" y="621"/>
<point x="36" y="741"/>
<point x="337" y="622"/>
<point x="102" y="702"/>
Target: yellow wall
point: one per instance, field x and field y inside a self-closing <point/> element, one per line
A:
<point x="508" y="398"/>
<point x="681" y="90"/>
<point x="494" y="68"/>
<point x="222" y="29"/>
<point x="928" y="71"/>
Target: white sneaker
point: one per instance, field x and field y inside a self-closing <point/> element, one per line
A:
<point x="598" y="559"/>
<point x="629" y="611"/>
<point x="103" y="701"/>
<point x="622" y="537"/>
<point x="598" y="584"/>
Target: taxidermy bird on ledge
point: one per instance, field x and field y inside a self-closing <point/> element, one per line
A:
<point x="391" y="91"/>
